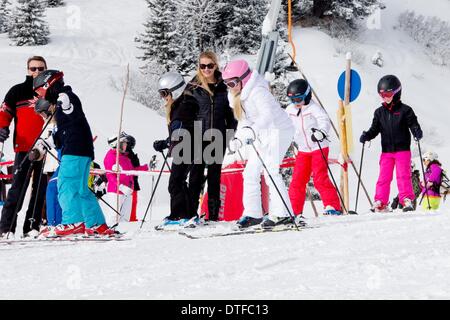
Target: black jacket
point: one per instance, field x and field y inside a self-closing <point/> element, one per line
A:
<point x="213" y="111"/>
<point x="74" y="133"/>
<point x="394" y="124"/>
<point x="182" y="116"/>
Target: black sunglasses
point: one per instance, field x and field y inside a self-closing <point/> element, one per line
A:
<point x="209" y="66"/>
<point x="33" y="69"/>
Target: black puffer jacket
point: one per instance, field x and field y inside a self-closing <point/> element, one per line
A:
<point x="394" y="124"/>
<point x="214" y="111"/>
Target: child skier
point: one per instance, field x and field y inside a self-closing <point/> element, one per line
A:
<point x="393" y="120"/>
<point x="431" y="196"/>
<point x="181" y="110"/>
<point x="415" y="180"/>
<point x="126" y="182"/>
<point x="81" y="213"/>
<point x="261" y="121"/>
<point x="307" y="115"/>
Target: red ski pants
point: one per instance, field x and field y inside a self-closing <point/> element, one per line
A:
<point x="305" y="164"/>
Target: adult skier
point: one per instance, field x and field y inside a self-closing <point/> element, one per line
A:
<point x="393" y="120"/>
<point x="306" y="116"/>
<point x="19" y="106"/>
<point x="211" y="94"/>
<point x="262" y="122"/>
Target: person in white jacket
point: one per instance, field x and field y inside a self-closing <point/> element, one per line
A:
<point x="263" y="122"/>
<point x="312" y="126"/>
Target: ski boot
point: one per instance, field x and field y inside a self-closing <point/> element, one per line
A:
<point x="101" y="230"/>
<point x="246" y="222"/>
<point x="72" y="229"/>
<point x="330" y="211"/>
<point x="407" y="205"/>
<point x="378" y="206"/>
<point x="300" y="221"/>
<point x="193" y="222"/>
<point x="271" y="221"/>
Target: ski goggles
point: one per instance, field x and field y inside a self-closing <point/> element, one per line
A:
<point x="232" y="83"/>
<point x="297" y="99"/>
<point x="389" y="94"/>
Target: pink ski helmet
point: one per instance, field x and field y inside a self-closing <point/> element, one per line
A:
<point x="236" y="69"/>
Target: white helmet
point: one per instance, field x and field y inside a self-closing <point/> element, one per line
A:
<point x="112" y="141"/>
<point x="171" y="83"/>
<point x="430" y="156"/>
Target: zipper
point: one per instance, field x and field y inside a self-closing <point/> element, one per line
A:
<point x="304" y="132"/>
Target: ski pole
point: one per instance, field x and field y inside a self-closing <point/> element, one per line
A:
<point x="359" y="179"/>
<point x="275" y="185"/>
<point x="156" y="186"/>
<point x="331" y="173"/>
<point x="423" y="173"/>
<point x="41" y="173"/>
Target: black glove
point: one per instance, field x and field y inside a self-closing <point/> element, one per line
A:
<point x="4" y="134"/>
<point x="160" y="145"/>
<point x="417" y="133"/>
<point x="364" y="138"/>
<point x="318" y="135"/>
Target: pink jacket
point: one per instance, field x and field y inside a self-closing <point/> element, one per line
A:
<point x="125" y="165"/>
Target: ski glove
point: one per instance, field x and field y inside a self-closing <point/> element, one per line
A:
<point x="417" y="133"/>
<point x="234" y="145"/>
<point x="160" y="145"/>
<point x="364" y="138"/>
<point x="4" y="134"/>
<point x="318" y="135"/>
<point x="246" y="134"/>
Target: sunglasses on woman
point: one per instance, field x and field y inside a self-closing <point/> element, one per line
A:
<point x="34" y="69"/>
<point x="209" y="66"/>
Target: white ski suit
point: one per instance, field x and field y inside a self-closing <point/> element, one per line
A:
<point x="275" y="132"/>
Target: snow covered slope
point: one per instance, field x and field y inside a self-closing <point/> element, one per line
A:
<point x="395" y="255"/>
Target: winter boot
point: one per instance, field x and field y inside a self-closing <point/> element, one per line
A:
<point x="32" y="234"/>
<point x="213" y="208"/>
<point x="300" y="221"/>
<point x="271" y="221"/>
<point x="246" y="221"/>
<point x="7" y="236"/>
<point x="407" y="205"/>
<point x="63" y="230"/>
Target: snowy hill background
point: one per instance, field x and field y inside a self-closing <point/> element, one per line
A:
<point x="367" y="256"/>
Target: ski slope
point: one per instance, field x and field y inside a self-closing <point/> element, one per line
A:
<point x="369" y="256"/>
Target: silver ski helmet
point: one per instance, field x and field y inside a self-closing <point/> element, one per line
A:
<point x="112" y="141"/>
<point x="171" y="83"/>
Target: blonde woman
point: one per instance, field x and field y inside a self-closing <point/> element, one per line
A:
<point x="261" y="121"/>
<point x="214" y="114"/>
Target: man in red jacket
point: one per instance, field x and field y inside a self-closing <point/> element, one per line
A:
<point x="19" y="106"/>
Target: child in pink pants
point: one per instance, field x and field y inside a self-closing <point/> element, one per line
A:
<point x="394" y="120"/>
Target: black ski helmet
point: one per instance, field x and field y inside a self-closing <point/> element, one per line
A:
<point x="131" y="142"/>
<point x="390" y="83"/>
<point x="48" y="84"/>
<point x="299" y="88"/>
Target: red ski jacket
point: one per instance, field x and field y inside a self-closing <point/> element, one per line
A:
<point x="19" y="105"/>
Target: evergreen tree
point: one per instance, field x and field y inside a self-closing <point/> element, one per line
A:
<point x="28" y="26"/>
<point x="197" y="27"/>
<point x="5" y="15"/>
<point x="346" y="9"/>
<point x="159" y="39"/>
<point x="245" y="26"/>
<point x="55" y="3"/>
